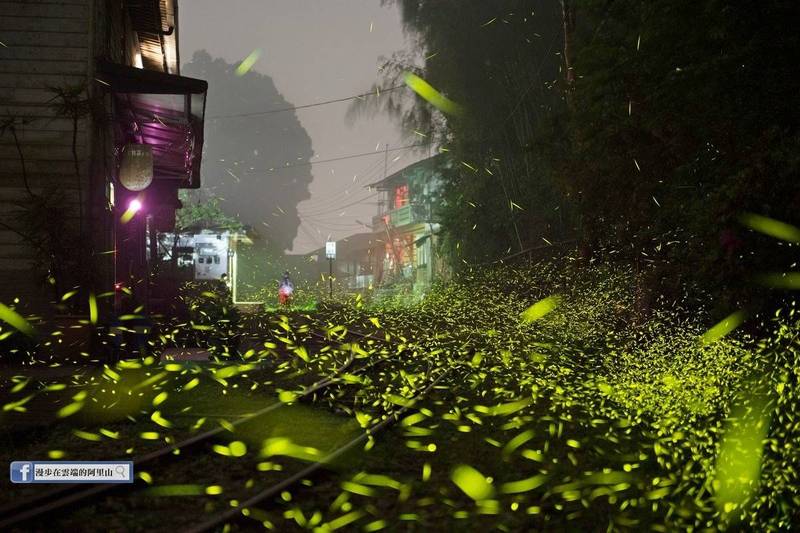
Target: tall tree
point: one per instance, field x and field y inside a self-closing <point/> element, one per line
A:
<point x="682" y="115"/>
<point x="244" y="151"/>
<point x="201" y="211"/>
<point x="499" y="60"/>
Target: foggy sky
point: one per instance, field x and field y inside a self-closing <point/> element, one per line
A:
<point x="314" y="50"/>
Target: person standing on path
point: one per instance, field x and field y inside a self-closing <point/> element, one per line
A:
<point x="285" y="289"/>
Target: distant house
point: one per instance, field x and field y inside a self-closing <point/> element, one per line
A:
<point x="95" y="122"/>
<point x="355" y="261"/>
<point x="403" y="241"/>
<point x="407" y="223"/>
<point x="207" y="253"/>
<point x="202" y="254"/>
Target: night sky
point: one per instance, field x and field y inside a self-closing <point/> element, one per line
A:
<point x="314" y="50"/>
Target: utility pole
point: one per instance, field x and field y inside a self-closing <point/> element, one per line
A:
<point x="397" y="265"/>
<point x="391" y="243"/>
<point x="386" y="161"/>
<point x="568" y="22"/>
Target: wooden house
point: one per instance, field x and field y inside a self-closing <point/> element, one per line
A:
<point x="96" y="124"/>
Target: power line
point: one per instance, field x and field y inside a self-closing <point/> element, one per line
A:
<point x="369" y="174"/>
<point x="332" y="219"/>
<point x="314" y="239"/>
<point x="353" y="156"/>
<point x="338" y="208"/>
<point x="306" y="106"/>
<point x="338" y="227"/>
<point x="344" y="194"/>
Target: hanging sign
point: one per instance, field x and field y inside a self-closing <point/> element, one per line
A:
<point x="136" y="168"/>
<point x="330" y="249"/>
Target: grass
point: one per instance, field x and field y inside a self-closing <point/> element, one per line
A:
<point x="307" y="307"/>
<point x="564" y="409"/>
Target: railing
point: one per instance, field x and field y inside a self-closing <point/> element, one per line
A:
<point x="362" y="281"/>
<point x="399" y="217"/>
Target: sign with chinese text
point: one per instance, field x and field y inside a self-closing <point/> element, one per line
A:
<point x="136" y="168"/>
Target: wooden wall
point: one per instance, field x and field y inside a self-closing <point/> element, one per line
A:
<point x="46" y="43"/>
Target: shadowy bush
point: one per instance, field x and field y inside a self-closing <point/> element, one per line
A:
<point x="213" y="318"/>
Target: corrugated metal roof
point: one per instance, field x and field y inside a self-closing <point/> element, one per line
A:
<point x="161" y="110"/>
<point x="402" y="174"/>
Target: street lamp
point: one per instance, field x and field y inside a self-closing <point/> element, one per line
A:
<point x="330" y="253"/>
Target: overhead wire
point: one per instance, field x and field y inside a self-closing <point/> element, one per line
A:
<point x="334" y="201"/>
<point x="313" y="220"/>
<point x="338" y="196"/>
<point x="341" y="158"/>
<point x="330" y="202"/>
<point x="337" y="208"/>
<point x="306" y="106"/>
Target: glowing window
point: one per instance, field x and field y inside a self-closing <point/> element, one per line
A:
<point x="401" y="195"/>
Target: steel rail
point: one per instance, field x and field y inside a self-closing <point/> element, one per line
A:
<point x="236" y="513"/>
<point x="76" y="492"/>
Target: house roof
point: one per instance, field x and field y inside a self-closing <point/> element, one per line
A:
<point x="125" y="79"/>
<point x="163" y="111"/>
<point x="402" y="174"/>
<point x="352" y="243"/>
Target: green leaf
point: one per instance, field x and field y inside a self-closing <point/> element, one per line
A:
<point x="160" y="420"/>
<point x="540" y="309"/>
<point x="92" y="308"/>
<point x="174" y="490"/>
<point x="434" y="97"/>
<point x="524" y="485"/>
<point x="738" y="467"/>
<point x="16" y="321"/>
<point x="723" y="327"/>
<point x="771" y="227"/>
<point x="237" y="448"/>
<point x="472" y="482"/>
<point x="69" y="410"/>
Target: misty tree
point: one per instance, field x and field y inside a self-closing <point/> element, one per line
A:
<point x="245" y="153"/>
<point x="497" y="60"/>
<point x="642" y="130"/>
<point x="201" y="211"/>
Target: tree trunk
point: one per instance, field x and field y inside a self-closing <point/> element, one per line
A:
<point x="77" y="176"/>
<point x="568" y="21"/>
<point x="22" y="161"/>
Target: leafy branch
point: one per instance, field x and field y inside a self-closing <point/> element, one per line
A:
<point x="199" y="213"/>
<point x="9" y="124"/>
<point x="69" y="102"/>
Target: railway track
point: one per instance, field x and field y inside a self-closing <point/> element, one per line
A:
<point x="242" y="511"/>
<point x="77" y="495"/>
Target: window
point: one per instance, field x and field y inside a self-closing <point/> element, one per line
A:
<point x="422" y="254"/>
<point x="401" y="195"/>
<point x="216" y="259"/>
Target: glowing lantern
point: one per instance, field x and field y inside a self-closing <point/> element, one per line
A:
<point x="136" y="169"/>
